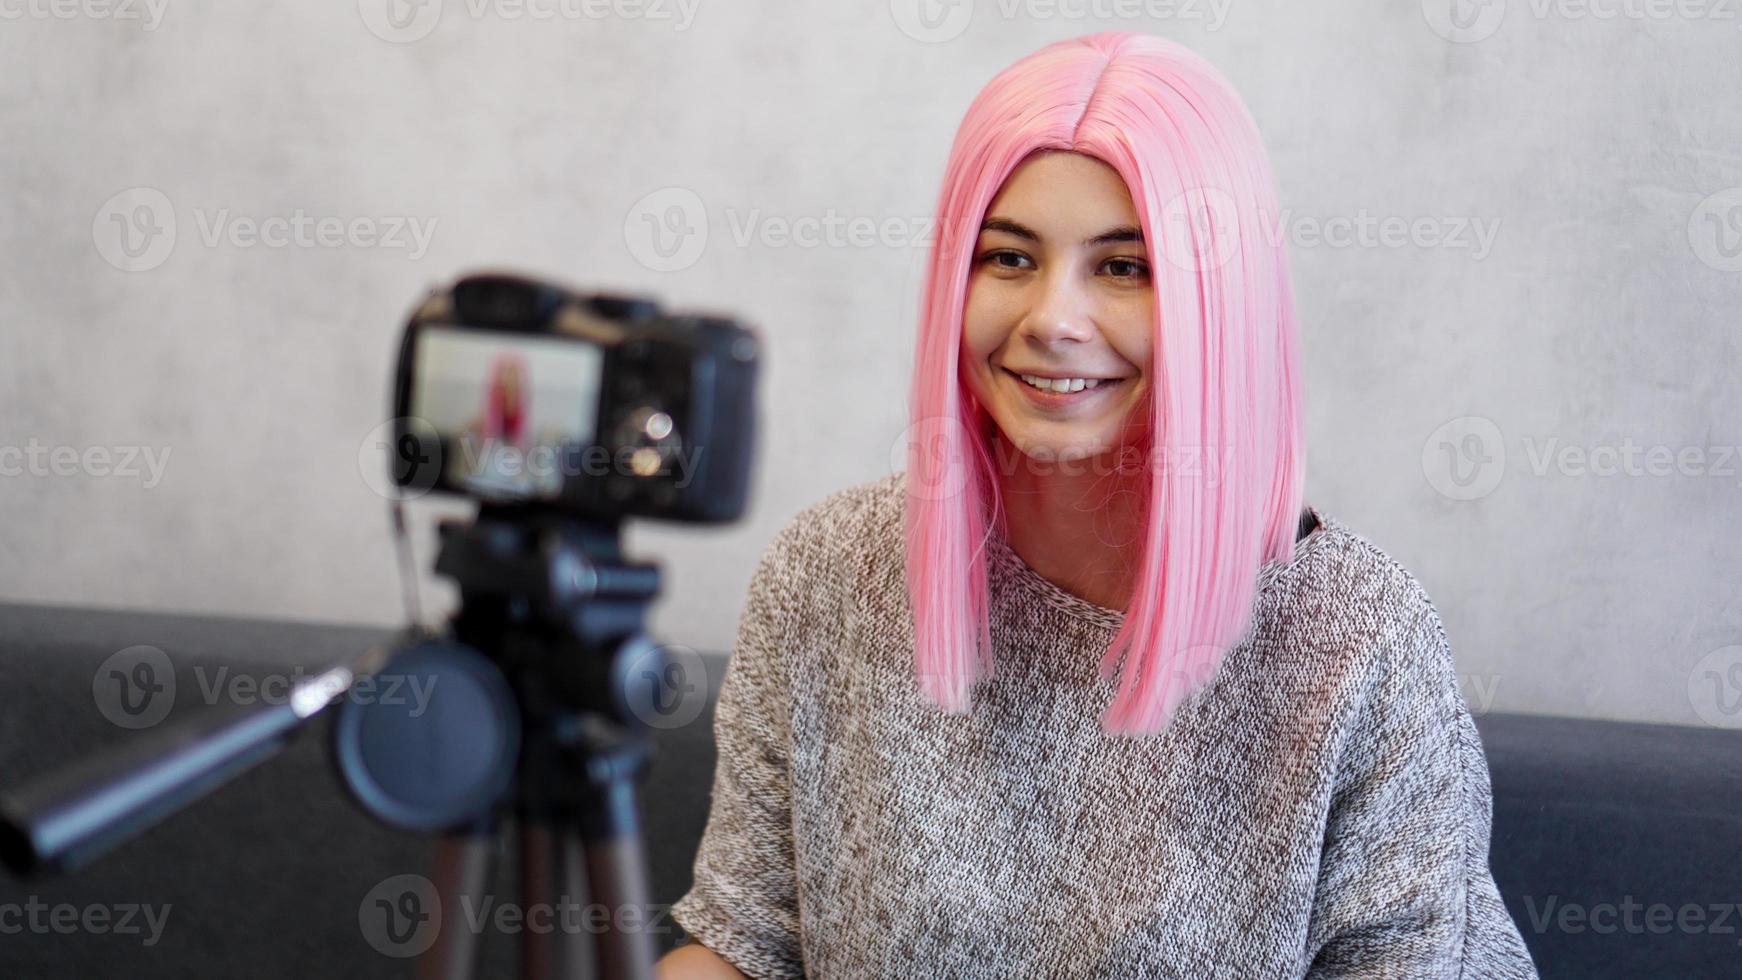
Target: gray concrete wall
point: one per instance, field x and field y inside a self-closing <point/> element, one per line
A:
<point x="1517" y="242"/>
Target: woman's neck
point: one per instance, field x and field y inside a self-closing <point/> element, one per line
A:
<point x="1079" y="524"/>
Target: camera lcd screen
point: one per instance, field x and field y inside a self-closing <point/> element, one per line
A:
<point x="509" y="407"/>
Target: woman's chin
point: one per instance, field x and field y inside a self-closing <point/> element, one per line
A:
<point x="1054" y="451"/>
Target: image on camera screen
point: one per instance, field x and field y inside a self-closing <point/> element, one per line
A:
<point x="510" y="408"/>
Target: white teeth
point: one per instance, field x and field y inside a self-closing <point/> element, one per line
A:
<point x="1060" y="384"/>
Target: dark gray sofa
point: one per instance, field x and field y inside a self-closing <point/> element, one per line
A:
<point x="1596" y="825"/>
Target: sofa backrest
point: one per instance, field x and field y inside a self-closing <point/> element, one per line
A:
<point x="1618" y="847"/>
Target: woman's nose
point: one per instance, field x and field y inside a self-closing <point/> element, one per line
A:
<point x="1061" y="312"/>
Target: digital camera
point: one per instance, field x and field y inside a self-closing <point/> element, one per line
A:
<point x="515" y="391"/>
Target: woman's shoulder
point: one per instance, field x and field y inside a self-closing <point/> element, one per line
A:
<point x="850" y="510"/>
<point x="1347" y="583"/>
<point x="858" y="527"/>
<point x="1342" y="561"/>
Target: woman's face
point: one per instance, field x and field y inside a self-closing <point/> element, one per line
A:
<point x="1059" y="288"/>
<point x="510" y="380"/>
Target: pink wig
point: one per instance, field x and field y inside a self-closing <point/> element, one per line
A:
<point x="501" y="419"/>
<point x="1225" y="379"/>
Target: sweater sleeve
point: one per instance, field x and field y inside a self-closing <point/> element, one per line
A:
<point x="1404" y="888"/>
<point x="743" y="904"/>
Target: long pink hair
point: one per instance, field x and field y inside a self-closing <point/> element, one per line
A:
<point x="1225" y="380"/>
<point x="501" y="419"/>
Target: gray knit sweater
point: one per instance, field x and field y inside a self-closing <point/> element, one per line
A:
<point x="1322" y="809"/>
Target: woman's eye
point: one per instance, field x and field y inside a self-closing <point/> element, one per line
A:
<point x="1127" y="268"/>
<point x="1004" y="259"/>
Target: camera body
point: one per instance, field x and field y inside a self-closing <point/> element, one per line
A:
<point x="512" y="390"/>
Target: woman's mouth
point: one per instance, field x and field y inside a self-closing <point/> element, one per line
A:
<point x="1060" y="392"/>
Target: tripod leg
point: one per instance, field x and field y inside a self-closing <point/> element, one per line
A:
<point x="580" y="948"/>
<point x="552" y="883"/>
<point x="617" y="871"/>
<point x="461" y="873"/>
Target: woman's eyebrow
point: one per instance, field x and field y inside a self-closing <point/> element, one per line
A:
<point x="1123" y="233"/>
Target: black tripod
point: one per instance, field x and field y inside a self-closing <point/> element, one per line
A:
<point x="549" y="600"/>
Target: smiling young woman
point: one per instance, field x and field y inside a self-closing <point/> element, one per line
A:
<point x="1057" y="338"/>
<point x="931" y="761"/>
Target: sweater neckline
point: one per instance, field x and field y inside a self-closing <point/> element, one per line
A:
<point x="1037" y="586"/>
